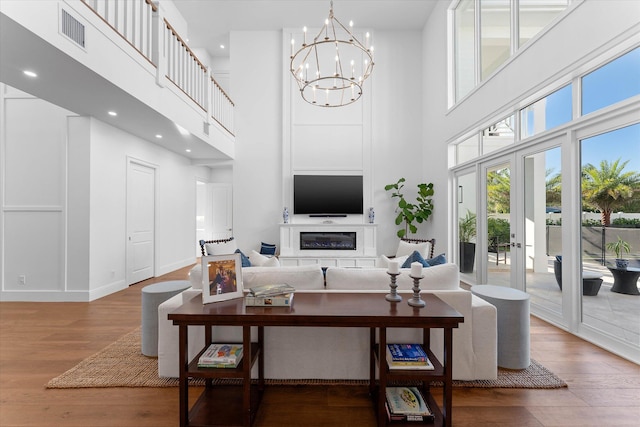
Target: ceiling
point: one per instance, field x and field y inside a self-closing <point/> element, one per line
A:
<point x="69" y="84"/>
<point x="211" y="21"/>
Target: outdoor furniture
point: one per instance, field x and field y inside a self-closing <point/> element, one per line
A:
<point x="591" y="280"/>
<point x="625" y="281"/>
<point x="496" y="247"/>
<point x="512" y="306"/>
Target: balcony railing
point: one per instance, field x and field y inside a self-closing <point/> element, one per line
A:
<point x="184" y="68"/>
<point x="133" y="20"/>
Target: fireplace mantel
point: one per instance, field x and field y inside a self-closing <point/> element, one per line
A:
<point x="364" y="254"/>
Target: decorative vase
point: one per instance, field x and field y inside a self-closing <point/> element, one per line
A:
<point x="372" y="216"/>
<point x="285" y="215"/>
<point x="622" y="264"/>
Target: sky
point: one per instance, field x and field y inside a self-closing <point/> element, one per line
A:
<point x="609" y="84"/>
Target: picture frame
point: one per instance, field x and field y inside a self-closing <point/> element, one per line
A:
<point x="221" y="278"/>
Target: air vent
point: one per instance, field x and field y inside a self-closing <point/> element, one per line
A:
<point x="72" y="28"/>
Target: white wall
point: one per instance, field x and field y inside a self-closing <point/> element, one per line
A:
<point x="64" y="203"/>
<point x="395" y="94"/>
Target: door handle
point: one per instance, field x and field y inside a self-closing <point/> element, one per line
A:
<point x="516" y="245"/>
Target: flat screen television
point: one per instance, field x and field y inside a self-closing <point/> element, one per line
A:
<point x="327" y="195"/>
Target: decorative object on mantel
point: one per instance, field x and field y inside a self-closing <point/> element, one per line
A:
<point x="416" y="275"/>
<point x="285" y="215"/>
<point x="394" y="272"/>
<point x="409" y="212"/>
<point x="330" y="71"/>
<point x="372" y="215"/>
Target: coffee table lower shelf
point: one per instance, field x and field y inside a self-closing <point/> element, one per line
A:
<point x="433" y="405"/>
<point x="221" y="405"/>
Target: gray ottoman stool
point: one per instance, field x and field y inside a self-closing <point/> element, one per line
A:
<point x="513" y="324"/>
<point x="152" y="297"/>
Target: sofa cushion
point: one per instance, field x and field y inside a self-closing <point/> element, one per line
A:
<point x="439" y="277"/>
<point x="407" y="248"/>
<point x="383" y="261"/>
<point x="224" y="248"/>
<point x="257" y="259"/>
<point x="300" y="277"/>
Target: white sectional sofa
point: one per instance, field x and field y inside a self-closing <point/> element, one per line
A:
<point x="341" y="353"/>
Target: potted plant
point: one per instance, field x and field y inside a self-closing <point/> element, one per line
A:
<point x="617" y="247"/>
<point x="410" y="212"/>
<point x="467" y="232"/>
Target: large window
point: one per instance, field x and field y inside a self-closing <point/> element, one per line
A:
<point x="611" y="83"/>
<point x="551" y="111"/>
<point x="495" y="34"/>
<point x="491" y="41"/>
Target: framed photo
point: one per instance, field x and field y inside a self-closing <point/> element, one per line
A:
<point x="221" y="278"/>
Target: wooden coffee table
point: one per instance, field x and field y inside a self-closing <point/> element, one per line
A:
<point x="222" y="405"/>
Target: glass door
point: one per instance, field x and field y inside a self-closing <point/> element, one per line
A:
<point x="497" y="223"/>
<point x="467" y="224"/>
<point x="522" y="225"/>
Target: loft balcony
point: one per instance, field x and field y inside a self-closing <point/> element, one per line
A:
<point x="95" y="56"/>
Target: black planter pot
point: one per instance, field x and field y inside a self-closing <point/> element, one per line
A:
<point x="467" y="256"/>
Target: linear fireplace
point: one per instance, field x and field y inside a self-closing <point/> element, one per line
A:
<point x="341" y="241"/>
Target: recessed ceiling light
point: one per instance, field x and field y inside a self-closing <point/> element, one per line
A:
<point x="30" y="73"/>
<point x="188" y="150"/>
<point x="221" y="46"/>
<point x="158" y="136"/>
<point x="113" y="113"/>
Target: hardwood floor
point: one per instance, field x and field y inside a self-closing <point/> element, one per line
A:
<point x="39" y="341"/>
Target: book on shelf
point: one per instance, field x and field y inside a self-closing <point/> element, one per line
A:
<point x="407" y="404"/>
<point x="284" y="300"/>
<point x="221" y="354"/>
<point x="218" y="365"/>
<point x="271" y="290"/>
<point x="407" y="352"/>
<point x="422" y="363"/>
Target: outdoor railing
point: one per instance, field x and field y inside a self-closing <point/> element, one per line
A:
<point x="133" y="20"/>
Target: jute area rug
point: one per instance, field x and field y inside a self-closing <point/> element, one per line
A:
<point x="121" y="364"/>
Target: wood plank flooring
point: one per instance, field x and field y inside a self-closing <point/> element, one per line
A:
<point x="39" y="341"/>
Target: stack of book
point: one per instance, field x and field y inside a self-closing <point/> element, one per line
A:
<point x="221" y="356"/>
<point x="408" y="356"/>
<point x="279" y="294"/>
<point x="407" y="404"/>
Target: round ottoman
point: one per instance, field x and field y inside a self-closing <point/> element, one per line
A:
<point x="152" y="297"/>
<point x="512" y="306"/>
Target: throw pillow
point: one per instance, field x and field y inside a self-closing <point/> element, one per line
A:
<point x="406" y="248"/>
<point x="224" y="248"/>
<point x="437" y="260"/>
<point x="415" y="257"/>
<point x="267" y="248"/>
<point x="257" y="259"/>
<point x="243" y="257"/>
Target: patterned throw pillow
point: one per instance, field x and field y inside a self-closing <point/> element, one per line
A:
<point x="267" y="248"/>
<point x="416" y="257"/>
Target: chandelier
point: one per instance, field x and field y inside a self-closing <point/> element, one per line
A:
<point x="330" y="70"/>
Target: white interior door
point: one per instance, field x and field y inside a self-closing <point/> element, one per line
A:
<point x="221" y="210"/>
<point x="140" y="222"/>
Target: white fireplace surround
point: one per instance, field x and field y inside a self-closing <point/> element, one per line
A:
<point x="364" y="255"/>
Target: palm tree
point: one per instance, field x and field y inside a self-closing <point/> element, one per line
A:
<point x="499" y="191"/>
<point x="608" y="187"/>
<point x="553" y="188"/>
